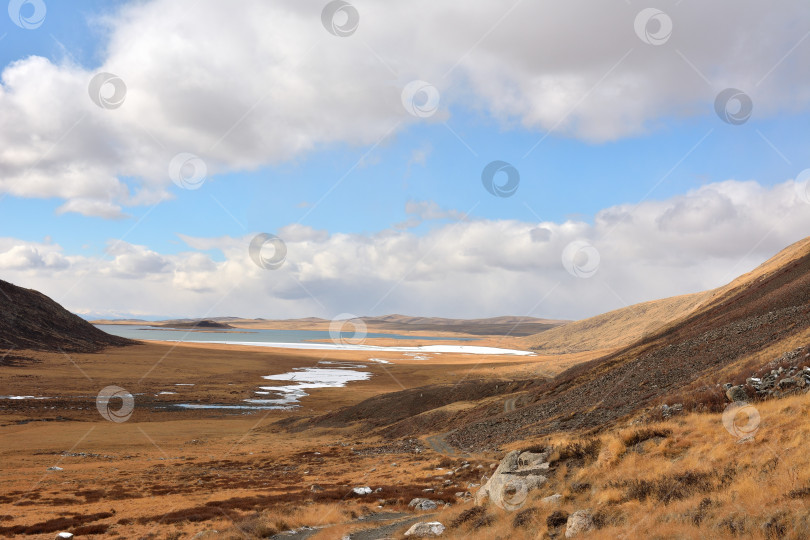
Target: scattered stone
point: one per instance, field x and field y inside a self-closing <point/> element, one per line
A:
<point x="365" y="490"/>
<point x="426" y="529"/>
<point x="315" y="488"/>
<point x="667" y="410"/>
<point x="55" y="468"/>
<point x="579" y="522"/>
<point x="552" y="499"/>
<point x="420" y="503"/>
<point x="786" y="383"/>
<point x="737" y="393"/>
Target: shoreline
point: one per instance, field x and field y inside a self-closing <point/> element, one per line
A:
<point x="435" y="349"/>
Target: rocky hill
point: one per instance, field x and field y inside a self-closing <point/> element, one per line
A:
<point x="31" y="320"/>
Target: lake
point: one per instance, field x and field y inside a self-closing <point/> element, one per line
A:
<point x="245" y="335"/>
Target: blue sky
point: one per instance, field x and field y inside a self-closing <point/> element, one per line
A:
<point x="661" y="143"/>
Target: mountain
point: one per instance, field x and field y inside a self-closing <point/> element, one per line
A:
<point x="31" y="320"/>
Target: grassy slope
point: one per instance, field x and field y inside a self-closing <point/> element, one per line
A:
<point x="624" y="326"/>
<point x="690" y="479"/>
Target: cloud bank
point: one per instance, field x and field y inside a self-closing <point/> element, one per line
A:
<point x="460" y="268"/>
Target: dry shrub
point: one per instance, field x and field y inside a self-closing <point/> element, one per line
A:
<point x="578" y="451"/>
<point x="801" y="493"/>
<point x="557" y="518"/>
<point x="641" y="435"/>
<point x="257" y="527"/>
<point x="526" y="518"/>
<point x="703" y="399"/>
<point x="474" y="513"/>
<point x="675" y="487"/>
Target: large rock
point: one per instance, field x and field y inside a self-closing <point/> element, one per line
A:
<point x="737" y="393"/>
<point x="426" y="529"/>
<point x="532" y="459"/>
<point x="579" y="522"/>
<point x="421" y="503"/>
<point x="516" y="475"/>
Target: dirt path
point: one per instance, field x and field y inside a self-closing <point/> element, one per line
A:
<point x="387" y="531"/>
<point x="393" y="521"/>
<point x="439" y="445"/>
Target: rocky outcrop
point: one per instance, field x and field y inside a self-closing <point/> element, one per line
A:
<point x="785" y="375"/>
<point x="517" y="474"/>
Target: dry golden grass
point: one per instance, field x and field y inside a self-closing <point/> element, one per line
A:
<point x="683" y="478"/>
<point x="273" y="521"/>
<point x="618" y="328"/>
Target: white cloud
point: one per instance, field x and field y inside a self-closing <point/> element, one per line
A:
<point x="32" y="257"/>
<point x="471" y="268"/>
<point x="267" y="83"/>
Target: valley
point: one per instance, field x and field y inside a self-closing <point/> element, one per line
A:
<point x="228" y="440"/>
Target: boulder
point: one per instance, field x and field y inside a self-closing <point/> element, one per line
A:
<point x="425" y="529"/>
<point x="420" y="503"/>
<point x="579" y="522"/>
<point x="63" y="535"/>
<point x="737" y="393"/>
<point x="516" y="475"/>
<point x="365" y="490"/>
<point x="315" y="488"/>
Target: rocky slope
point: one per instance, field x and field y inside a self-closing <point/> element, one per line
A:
<point x="31" y="320"/>
<point x="729" y="331"/>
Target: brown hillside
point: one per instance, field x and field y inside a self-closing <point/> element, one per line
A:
<point x="755" y="318"/>
<point x="621" y="327"/>
<point x="752" y="314"/>
<point x="31" y="320"/>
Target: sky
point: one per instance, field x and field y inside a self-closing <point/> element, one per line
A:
<point x="303" y="158"/>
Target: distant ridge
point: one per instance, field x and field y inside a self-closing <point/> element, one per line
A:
<point x="515" y="326"/>
<point x="31" y="320"/>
